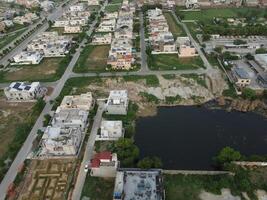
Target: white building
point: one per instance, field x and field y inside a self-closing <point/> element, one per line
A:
<point x="107" y="26"/>
<point x="57" y="141"/>
<point x="99" y="39"/>
<point x="83" y="101"/>
<point x="110" y="130"/>
<point x="51" y="44"/>
<point x="20" y="91"/>
<point x="70" y="118"/>
<point x="241" y="77"/>
<point x="72" y="29"/>
<point x="77" y="8"/>
<point x="117" y="103"/>
<point x="92" y="2"/>
<point x="27" y="58"/>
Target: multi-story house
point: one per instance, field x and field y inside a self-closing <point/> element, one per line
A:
<point x="117" y="103"/>
<point x="20" y="91"/>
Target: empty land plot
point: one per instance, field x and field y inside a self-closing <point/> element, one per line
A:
<point x="48" y="179"/>
<point x="112" y="8"/>
<point x="46" y="70"/>
<point x="173" y="62"/>
<point x="11" y="115"/>
<point x="93" y="58"/>
<point x="207" y="15"/>
<point x="175" y="29"/>
<point x="98" y="188"/>
<point x="116" y="1"/>
<point x="10" y="37"/>
<point x="94" y="8"/>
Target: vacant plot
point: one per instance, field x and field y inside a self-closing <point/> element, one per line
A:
<point x="175" y="29"/>
<point x="172" y="62"/>
<point x="93" y="58"/>
<point x="98" y="188"/>
<point x="46" y="70"/>
<point x="116" y="1"/>
<point x="11" y="115"/>
<point x="94" y="8"/>
<point x="48" y="179"/>
<point x="207" y="15"/>
<point x="113" y="8"/>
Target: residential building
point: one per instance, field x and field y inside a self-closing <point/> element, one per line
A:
<point x="117" y="103"/>
<point x="104" y="164"/>
<point x="8" y="23"/>
<point x="57" y="141"/>
<point x="21" y="91"/>
<point x="72" y="29"/>
<point x="74" y="117"/>
<point x="47" y="5"/>
<point x="27" y="58"/>
<point x="107" y="26"/>
<point x="185" y="47"/>
<point x="51" y="44"/>
<point x="77" y="7"/>
<point x="84" y="101"/>
<point x="2" y="26"/>
<point x="110" y="130"/>
<point x="241" y="77"/>
<point x="191" y="4"/>
<point x="111" y="15"/>
<point x="28" y="18"/>
<point x="92" y="2"/>
<point x="99" y="38"/>
<point x="28" y="3"/>
<point x="138" y="184"/>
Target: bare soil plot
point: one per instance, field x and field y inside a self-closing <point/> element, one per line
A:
<point x="48" y="179"/>
<point x="45" y="70"/>
<point x="11" y="114"/>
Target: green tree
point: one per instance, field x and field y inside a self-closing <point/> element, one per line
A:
<point x="249" y="94"/>
<point x="261" y="51"/>
<point x="126" y="150"/>
<point x="149" y="162"/>
<point x="227" y="155"/>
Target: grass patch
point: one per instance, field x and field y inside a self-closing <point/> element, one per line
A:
<point x="200" y="79"/>
<point x="112" y="8"/>
<point x="94" y="8"/>
<point x="98" y="188"/>
<point x="116" y="1"/>
<point x="207" y="15"/>
<point x="149" y="97"/>
<point x="190" y="186"/>
<point x="50" y="69"/>
<point x="169" y="76"/>
<point x="151" y="80"/>
<point x="175" y="28"/>
<point x="92" y="58"/>
<point x="172" y="100"/>
<point x="172" y="62"/>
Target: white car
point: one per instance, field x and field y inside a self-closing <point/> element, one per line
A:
<point x="86" y="168"/>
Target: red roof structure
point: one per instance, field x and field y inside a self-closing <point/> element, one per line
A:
<point x="96" y="161"/>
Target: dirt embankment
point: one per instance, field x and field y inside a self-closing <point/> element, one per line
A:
<point x="243" y="105"/>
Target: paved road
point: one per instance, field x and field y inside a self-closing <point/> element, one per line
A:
<point x="52" y="16"/>
<point x="88" y="154"/>
<point x="26" y="147"/>
<point x="197" y="46"/>
<point x="144" y="67"/>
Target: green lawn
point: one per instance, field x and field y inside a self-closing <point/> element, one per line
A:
<point x="172" y="62"/>
<point x="116" y="1"/>
<point x="93" y="58"/>
<point x="188" y="187"/>
<point x="194" y="29"/>
<point x="98" y="188"/>
<point x="94" y="8"/>
<point x="9" y="38"/>
<point x="207" y="15"/>
<point x="175" y="29"/>
<point x="112" y="8"/>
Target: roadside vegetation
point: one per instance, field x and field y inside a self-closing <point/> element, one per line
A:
<point x="175" y="29"/>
